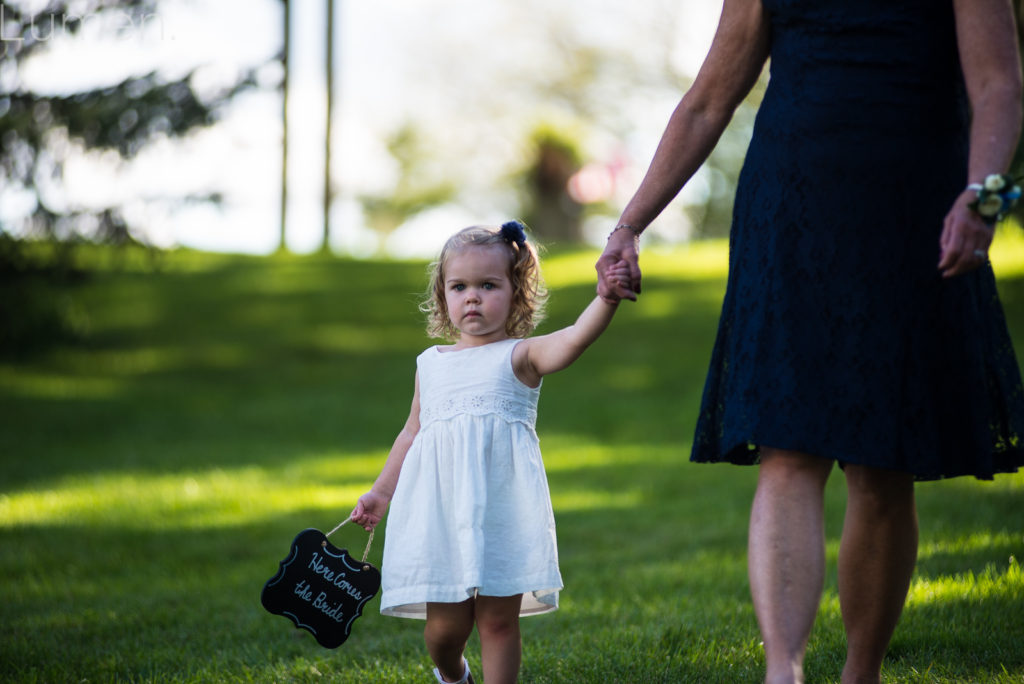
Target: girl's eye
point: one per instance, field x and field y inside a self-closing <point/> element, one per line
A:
<point x="488" y="286"/>
<point x="459" y="287"/>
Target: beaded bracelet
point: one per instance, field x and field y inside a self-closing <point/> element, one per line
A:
<point x="996" y="196"/>
<point x="633" y="229"/>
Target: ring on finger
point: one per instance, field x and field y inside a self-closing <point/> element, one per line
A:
<point x="980" y="254"/>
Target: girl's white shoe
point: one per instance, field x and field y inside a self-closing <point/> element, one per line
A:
<point x="467" y="676"/>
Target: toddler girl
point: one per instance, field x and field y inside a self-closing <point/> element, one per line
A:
<point x="471" y="535"/>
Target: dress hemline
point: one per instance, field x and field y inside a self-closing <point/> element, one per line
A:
<point x="748" y="453"/>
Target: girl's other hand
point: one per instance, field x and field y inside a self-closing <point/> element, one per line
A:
<point x="370" y="510"/>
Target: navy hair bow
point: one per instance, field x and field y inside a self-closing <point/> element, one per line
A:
<point x="513" y="231"/>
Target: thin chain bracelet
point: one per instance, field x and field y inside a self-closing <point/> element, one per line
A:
<point x="633" y="229"/>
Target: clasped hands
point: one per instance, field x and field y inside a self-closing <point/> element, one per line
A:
<point x="618" y="268"/>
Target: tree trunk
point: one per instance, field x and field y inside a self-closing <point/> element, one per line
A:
<point x="325" y="244"/>
<point x="285" y="62"/>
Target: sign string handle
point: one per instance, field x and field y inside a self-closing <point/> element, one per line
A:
<point x="369" y="541"/>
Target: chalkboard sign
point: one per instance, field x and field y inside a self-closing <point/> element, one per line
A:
<point x="321" y="588"/>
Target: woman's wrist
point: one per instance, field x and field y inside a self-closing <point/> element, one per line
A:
<point x="994" y="197"/>
<point x="636" y="231"/>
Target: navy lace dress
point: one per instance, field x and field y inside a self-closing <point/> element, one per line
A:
<point x="838" y="336"/>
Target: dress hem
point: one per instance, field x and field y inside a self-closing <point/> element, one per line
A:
<point x="748" y="453"/>
<point x="534" y="602"/>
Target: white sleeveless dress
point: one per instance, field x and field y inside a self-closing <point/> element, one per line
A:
<point x="471" y="512"/>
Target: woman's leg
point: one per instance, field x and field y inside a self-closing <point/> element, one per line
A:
<point x="786" y="556"/>
<point x="497" y="623"/>
<point x="876" y="559"/>
<point x="448" y="628"/>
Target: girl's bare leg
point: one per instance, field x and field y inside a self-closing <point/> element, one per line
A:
<point x="786" y="556"/>
<point x="876" y="560"/>
<point x="497" y="623"/>
<point x="448" y="628"/>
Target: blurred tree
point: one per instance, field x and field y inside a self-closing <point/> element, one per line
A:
<point x="325" y="239"/>
<point x="286" y="40"/>
<point x="420" y="185"/>
<point x="39" y="131"/>
<point x="580" y="78"/>
<point x="548" y="208"/>
<point x="537" y="61"/>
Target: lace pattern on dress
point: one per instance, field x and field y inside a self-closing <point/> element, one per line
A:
<point x="478" y="405"/>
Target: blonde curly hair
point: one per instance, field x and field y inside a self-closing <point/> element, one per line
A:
<point x="529" y="293"/>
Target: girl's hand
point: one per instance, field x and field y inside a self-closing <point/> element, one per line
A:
<point x="965" y="239"/>
<point x="619" y="277"/>
<point x="370" y="510"/>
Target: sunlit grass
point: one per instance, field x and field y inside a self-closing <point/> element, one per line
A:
<point x="569" y="501"/>
<point x="700" y="260"/>
<point x="981" y="540"/>
<point x="250" y="495"/>
<point x="218" y="498"/>
<point x="44" y="385"/>
<point x="944" y="615"/>
<point x="565" y="452"/>
<point x="1007" y="251"/>
<point x="1006" y="587"/>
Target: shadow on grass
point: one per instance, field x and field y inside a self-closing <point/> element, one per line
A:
<point x="968" y="527"/>
<point x="253" y="363"/>
<point x="183" y="605"/>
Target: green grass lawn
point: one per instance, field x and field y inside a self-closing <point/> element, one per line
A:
<point x="153" y="475"/>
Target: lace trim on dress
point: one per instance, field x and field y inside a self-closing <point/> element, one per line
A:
<point x="480" y="404"/>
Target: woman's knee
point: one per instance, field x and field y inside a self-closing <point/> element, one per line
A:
<point x="879" y="490"/>
<point x="793" y="467"/>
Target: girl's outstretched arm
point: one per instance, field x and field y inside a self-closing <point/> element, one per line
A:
<point x="374" y="504"/>
<point x="536" y="357"/>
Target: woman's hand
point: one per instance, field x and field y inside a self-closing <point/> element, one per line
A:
<point x="618" y="268"/>
<point x="990" y="60"/>
<point x="965" y="239"/>
<point x="370" y="510"/>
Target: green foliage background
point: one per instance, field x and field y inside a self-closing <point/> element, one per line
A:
<point x="155" y="467"/>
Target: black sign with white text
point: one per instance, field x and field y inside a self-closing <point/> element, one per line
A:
<point x="321" y="588"/>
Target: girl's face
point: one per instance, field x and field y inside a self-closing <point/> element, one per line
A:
<point x="478" y="292"/>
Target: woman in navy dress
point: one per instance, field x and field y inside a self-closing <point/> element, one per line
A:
<point x="861" y="323"/>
